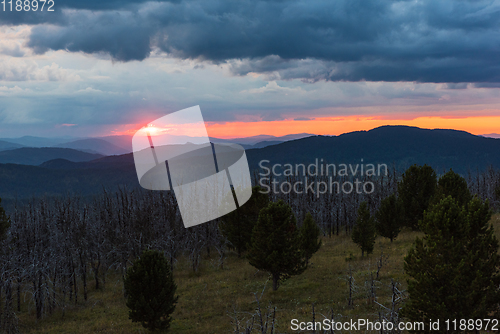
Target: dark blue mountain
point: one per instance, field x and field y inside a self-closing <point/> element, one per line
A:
<point x="399" y="146"/>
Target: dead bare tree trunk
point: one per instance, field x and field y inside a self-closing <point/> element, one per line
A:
<point x="351" y="283"/>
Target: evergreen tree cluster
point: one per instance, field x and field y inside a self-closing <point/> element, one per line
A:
<point x="268" y="231"/>
<point x="454" y="268"/>
<point x="418" y="189"/>
<point x="237" y="225"/>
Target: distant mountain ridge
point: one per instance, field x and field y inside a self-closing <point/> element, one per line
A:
<point x="122" y="144"/>
<point x="400" y="146"/>
<point x="32" y="141"/>
<point x="492" y="135"/>
<point x="94" y="145"/>
<point x="38" y="155"/>
<point x="6" y="145"/>
<point x="253" y="140"/>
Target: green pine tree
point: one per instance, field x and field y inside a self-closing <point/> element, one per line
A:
<point x="275" y="245"/>
<point x="237" y="226"/>
<point x="415" y="191"/>
<point x="150" y="290"/>
<point x="309" y="237"/>
<point x="389" y="217"/>
<point x="454" y="268"/>
<point x="364" y="232"/>
<point x="497" y="190"/>
<point x="452" y="184"/>
<point x="4" y="222"/>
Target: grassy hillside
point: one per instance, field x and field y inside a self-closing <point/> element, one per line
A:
<point x="208" y="299"/>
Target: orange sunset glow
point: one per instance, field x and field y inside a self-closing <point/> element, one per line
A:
<point x="332" y="126"/>
<point x="338" y="125"/>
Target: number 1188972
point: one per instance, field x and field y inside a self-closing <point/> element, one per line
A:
<point x="27" y="5"/>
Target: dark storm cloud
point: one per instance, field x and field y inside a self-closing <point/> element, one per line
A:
<point x="104" y="4"/>
<point x="351" y="40"/>
<point x="29" y="17"/>
<point x="124" y="35"/>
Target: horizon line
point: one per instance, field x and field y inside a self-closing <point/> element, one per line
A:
<point x="215" y="130"/>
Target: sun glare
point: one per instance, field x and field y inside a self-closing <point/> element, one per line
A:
<point x="153" y="130"/>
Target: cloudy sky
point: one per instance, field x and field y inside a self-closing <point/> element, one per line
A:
<point x="99" y="67"/>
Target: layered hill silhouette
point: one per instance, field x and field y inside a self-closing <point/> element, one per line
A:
<point x="5" y="145"/>
<point x="401" y="146"/>
<point x="95" y="145"/>
<point x="33" y="141"/>
<point x="37" y="156"/>
<point x="262" y="140"/>
<point x="122" y="144"/>
<point x="24" y="181"/>
<point x="398" y="146"/>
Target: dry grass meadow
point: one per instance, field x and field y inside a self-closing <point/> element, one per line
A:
<point x="209" y="299"/>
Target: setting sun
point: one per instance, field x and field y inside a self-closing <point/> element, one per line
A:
<point x="153" y="130"/>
